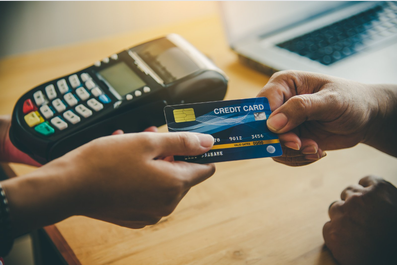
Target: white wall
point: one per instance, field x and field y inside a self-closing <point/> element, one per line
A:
<point x="29" y="26"/>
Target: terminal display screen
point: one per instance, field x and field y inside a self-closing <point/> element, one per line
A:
<point x="122" y="78"/>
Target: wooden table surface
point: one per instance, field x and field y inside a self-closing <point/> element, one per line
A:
<point x="249" y="212"/>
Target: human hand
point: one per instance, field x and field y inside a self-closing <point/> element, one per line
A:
<point x="127" y="179"/>
<point x="8" y="152"/>
<point x="363" y="225"/>
<point x="314" y="112"/>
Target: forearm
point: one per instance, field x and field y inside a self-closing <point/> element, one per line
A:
<point x="40" y="198"/>
<point x="383" y="127"/>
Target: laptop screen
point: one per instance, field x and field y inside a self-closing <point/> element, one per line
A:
<point x="244" y="19"/>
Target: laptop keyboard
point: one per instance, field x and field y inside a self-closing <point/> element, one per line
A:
<point x="344" y="38"/>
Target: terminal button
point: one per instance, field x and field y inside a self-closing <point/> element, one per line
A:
<point x="104" y="99"/>
<point x="38" y="98"/>
<point x="63" y="86"/>
<point x="138" y="93"/>
<point x="28" y="106"/>
<point x="94" y="104"/>
<point x="44" y="129"/>
<point x="146" y="89"/>
<point x="46" y="111"/>
<point x="96" y="92"/>
<point x="33" y="118"/>
<point x="59" y="123"/>
<point x="51" y="93"/>
<point x="85" y="77"/>
<point x="58" y="105"/>
<point x="83" y="111"/>
<point x="90" y="84"/>
<point x="71" y="117"/>
<point x="74" y="81"/>
<point x="82" y="93"/>
<point x="70" y="99"/>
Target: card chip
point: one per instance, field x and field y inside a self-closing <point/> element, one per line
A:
<point x="184" y="115"/>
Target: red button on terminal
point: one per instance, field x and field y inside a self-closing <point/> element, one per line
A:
<point x="28" y="106"/>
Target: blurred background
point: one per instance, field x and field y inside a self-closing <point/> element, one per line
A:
<point x="31" y="26"/>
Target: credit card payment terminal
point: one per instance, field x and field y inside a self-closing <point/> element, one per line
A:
<point x="127" y="90"/>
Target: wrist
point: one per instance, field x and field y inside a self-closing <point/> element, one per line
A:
<point x="382" y="125"/>
<point x="38" y="199"/>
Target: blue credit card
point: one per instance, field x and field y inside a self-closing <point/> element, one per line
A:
<point x="238" y="127"/>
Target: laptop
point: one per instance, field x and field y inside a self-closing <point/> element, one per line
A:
<point x="354" y="40"/>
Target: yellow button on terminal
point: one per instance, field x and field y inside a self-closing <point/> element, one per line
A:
<point x="33" y="118"/>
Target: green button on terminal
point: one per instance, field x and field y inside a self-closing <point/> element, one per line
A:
<point x="44" y="128"/>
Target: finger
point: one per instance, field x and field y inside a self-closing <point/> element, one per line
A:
<point x="293" y="161"/>
<point x="290" y="140"/>
<point x="327" y="228"/>
<point x="335" y="209"/>
<point x="292" y="157"/>
<point x="151" y="129"/>
<point x="350" y="190"/>
<point x="184" y="144"/>
<point x="118" y="132"/>
<point x="286" y="84"/>
<point x="309" y="147"/>
<point x="193" y="173"/>
<point x="301" y="108"/>
<point x="169" y="158"/>
<point x="369" y="181"/>
<point x="320" y="154"/>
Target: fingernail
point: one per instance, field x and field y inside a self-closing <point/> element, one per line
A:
<point x="309" y="150"/>
<point x="206" y="140"/>
<point x="324" y="154"/>
<point x="277" y="122"/>
<point x="292" y="145"/>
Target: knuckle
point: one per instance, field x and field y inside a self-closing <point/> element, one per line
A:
<point x="165" y="211"/>
<point x="354" y="203"/>
<point x="366" y="179"/>
<point x="174" y="190"/>
<point x="153" y="220"/>
<point x="185" y="140"/>
<point x="283" y="74"/>
<point x="138" y="226"/>
<point x="301" y="103"/>
<point x="145" y="139"/>
<point x="180" y="185"/>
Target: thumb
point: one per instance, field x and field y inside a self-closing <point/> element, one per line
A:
<point x="299" y="109"/>
<point x="183" y="143"/>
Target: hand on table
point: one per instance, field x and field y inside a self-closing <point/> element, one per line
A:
<point x="363" y="225"/>
<point x="314" y="112"/>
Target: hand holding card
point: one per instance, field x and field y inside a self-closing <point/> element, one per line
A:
<point x="238" y="127"/>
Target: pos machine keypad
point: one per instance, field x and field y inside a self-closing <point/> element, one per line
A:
<point x="60" y="105"/>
